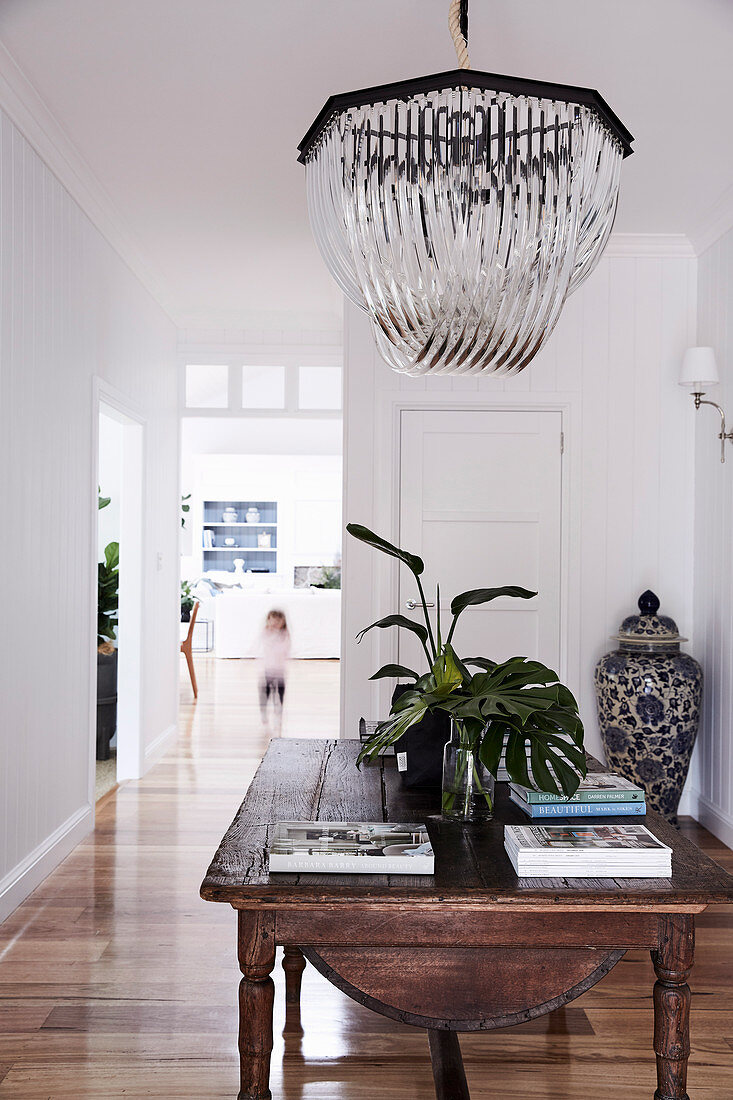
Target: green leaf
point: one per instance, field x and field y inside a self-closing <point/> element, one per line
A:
<point x="480" y="662"/>
<point x="396" y="620"/>
<point x="393" y="670"/>
<point x="491" y="746"/>
<point x="570" y="751"/>
<point x="462" y="668"/>
<point x="520" y="674"/>
<point x="363" y="534"/>
<point x="485" y="595"/>
<point x="569" y="778"/>
<point x="112" y="555"/>
<point x="445" y="670"/>
<point x="540" y="772"/>
<point x="516" y="759"/>
<point x="390" y="731"/>
<point x="463" y="707"/>
<point x="407" y="699"/>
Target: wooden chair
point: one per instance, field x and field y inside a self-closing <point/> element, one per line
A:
<point x="187" y="649"/>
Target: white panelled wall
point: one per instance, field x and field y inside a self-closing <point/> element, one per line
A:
<point x="611" y="367"/>
<point x="641" y="477"/>
<point x="71" y="310"/>
<point x="713" y="776"/>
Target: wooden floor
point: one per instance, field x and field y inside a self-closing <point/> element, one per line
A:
<point x="117" y="981"/>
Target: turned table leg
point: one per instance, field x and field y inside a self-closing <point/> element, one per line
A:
<point x="672" y="964"/>
<point x="256" y="996"/>
<point x="293" y="965"/>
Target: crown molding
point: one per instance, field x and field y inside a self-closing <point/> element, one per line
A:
<point x="653" y="246"/>
<point x="28" y="112"/>
<point x="717" y="222"/>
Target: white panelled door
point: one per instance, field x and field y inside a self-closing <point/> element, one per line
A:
<point x="480" y="502"/>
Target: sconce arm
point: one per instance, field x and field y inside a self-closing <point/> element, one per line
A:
<point x="723" y="435"/>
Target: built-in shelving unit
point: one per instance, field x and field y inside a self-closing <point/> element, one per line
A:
<point x="217" y="529"/>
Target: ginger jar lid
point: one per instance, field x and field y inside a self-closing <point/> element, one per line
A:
<point x="648" y="630"/>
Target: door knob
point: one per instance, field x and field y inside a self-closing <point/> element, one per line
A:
<point x="412" y="604"/>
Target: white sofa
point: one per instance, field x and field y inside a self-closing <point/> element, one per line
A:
<point x="313" y="616"/>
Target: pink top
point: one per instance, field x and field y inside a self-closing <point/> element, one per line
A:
<point x="275" y="648"/>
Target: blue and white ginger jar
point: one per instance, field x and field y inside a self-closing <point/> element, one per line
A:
<point x="648" y="695"/>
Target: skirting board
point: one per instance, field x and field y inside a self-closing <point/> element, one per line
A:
<point x="159" y="746"/>
<point x="717" y="821"/>
<point x="31" y="871"/>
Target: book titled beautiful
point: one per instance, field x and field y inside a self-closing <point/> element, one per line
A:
<point x="578" y="809"/>
<point x="594" y="787"/>
<point x="351" y="847"/>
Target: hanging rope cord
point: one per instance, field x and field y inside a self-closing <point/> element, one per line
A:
<point x="458" y="25"/>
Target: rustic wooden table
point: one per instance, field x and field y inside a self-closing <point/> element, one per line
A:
<point x="471" y="948"/>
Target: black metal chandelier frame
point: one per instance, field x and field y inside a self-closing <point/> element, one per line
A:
<point x="405" y="90"/>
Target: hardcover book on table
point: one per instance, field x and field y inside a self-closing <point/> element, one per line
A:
<point x="567" y="808"/>
<point x="587" y="851"/>
<point x="594" y="787"/>
<point x="348" y="847"/>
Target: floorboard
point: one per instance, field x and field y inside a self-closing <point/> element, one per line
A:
<point x="117" y="981"/>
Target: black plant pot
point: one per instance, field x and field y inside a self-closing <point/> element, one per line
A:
<point x="420" y="750"/>
<point x="185" y="614"/>
<point x="106" y="702"/>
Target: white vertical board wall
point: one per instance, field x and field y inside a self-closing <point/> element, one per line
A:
<point x="713" y="776"/>
<point x="611" y="367"/>
<point x="70" y="310"/>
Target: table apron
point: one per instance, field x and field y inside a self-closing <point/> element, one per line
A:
<point x="554" y="904"/>
<point x="377" y="928"/>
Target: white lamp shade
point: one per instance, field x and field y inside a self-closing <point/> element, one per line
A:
<point x="699" y="369"/>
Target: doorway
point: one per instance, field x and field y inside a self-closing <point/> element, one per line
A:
<point x="119" y="506"/>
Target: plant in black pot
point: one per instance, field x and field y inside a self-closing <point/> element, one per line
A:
<point x="187" y="602"/>
<point x="108" y="579"/>
<point x="517" y="702"/>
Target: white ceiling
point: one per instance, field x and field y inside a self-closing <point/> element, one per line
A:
<point x="188" y="114"/>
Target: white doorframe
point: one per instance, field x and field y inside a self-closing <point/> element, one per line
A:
<point x="108" y="400"/>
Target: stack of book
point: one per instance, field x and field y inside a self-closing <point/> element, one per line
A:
<point x="600" y="794"/>
<point x="586" y="851"/>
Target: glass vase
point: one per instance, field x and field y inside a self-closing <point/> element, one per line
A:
<point x="468" y="786"/>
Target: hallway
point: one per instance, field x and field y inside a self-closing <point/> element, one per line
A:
<point x="117" y="980"/>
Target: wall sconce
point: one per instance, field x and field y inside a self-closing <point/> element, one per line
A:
<point x="699" y="371"/>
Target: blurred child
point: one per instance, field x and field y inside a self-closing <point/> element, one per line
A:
<point x="275" y="651"/>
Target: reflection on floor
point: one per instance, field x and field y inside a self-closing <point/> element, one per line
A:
<point x="117" y="981"/>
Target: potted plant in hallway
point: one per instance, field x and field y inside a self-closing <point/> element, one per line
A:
<point x="108" y="577"/>
<point x="518" y="702"/>
<point x="187" y="602"/>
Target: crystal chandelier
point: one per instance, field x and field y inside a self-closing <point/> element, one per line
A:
<point x="460" y="210"/>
